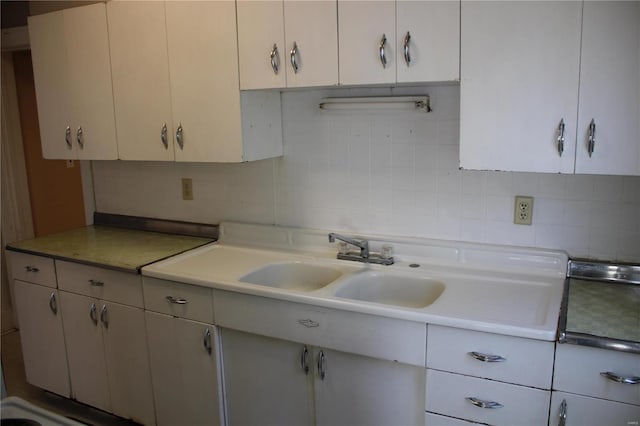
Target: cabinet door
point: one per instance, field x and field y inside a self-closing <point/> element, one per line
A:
<point x="260" y="31"/>
<point x="85" y="350"/>
<point x="140" y="71"/>
<point x="519" y="79"/>
<point x="362" y="27"/>
<point x="359" y="390"/>
<point x="203" y="63"/>
<point x="313" y="27"/>
<point x="50" y="66"/>
<point x="585" y="411"/>
<point x="185" y="369"/>
<point x="265" y="383"/>
<point x="610" y="88"/>
<point x="433" y="47"/>
<point x="41" y="333"/>
<point x="126" y="354"/>
<point x="89" y="72"/>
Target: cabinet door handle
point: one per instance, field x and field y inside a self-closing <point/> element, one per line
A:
<point x="592" y="136"/>
<point x="561" y="137"/>
<point x="104" y="317"/>
<point x="53" y="304"/>
<point x="96" y="283"/>
<point x="31" y="269"/>
<point x="293" y="57"/>
<point x="207" y="341"/>
<point x="627" y="380"/>
<point x="562" y="416"/>
<point x="321" y="365"/>
<point x="304" y="360"/>
<point x="481" y="403"/>
<point x="405" y="47"/>
<point x="80" y="137"/>
<point x="163" y="136"/>
<point x="173" y="300"/>
<point x="67" y="137"/>
<point x="179" y="136"/>
<point x="275" y="59"/>
<point x="93" y="314"/>
<point x="486" y="357"/>
<point x="383" y="56"/>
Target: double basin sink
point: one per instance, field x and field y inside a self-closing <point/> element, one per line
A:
<point x="366" y="285"/>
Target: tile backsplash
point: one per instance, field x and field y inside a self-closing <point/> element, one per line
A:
<point x="383" y="173"/>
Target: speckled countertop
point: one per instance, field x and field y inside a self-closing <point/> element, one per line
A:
<point x="116" y="248"/>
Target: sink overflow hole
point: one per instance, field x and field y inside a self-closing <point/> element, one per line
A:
<point x="414" y="265"/>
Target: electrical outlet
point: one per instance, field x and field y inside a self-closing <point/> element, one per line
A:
<point x="187" y="189"/>
<point x="523" y="210"/>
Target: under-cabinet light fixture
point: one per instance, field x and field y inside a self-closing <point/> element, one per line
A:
<point x="406" y="103"/>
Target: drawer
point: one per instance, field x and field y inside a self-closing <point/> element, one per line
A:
<point x="370" y="335"/>
<point x="101" y="283"/>
<point x="179" y="300"/>
<point x="578" y="371"/>
<point x="523" y="361"/>
<point x="32" y="268"/>
<point x="447" y="394"/>
<point x="586" y="411"/>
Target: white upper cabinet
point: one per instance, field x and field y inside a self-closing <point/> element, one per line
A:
<point x="290" y="43"/>
<point x="519" y="79"/>
<point x="610" y="89"/>
<point x="70" y="51"/>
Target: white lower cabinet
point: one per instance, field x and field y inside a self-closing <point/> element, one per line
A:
<point x="576" y="410"/>
<point x="108" y="357"/>
<point x="292" y="383"/>
<point x="185" y="371"/>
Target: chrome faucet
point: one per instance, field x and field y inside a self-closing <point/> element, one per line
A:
<point x="362" y="244"/>
<point x="364" y="256"/>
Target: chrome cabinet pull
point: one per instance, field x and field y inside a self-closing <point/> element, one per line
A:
<point x="96" y="283"/>
<point x="561" y="137"/>
<point x="207" y="341"/>
<point x="481" y="403"/>
<point x="383" y="56"/>
<point x="103" y="316"/>
<point x="293" y="57"/>
<point x="179" y="136"/>
<point x="180" y="301"/>
<point x="67" y="137"/>
<point x="321" y="365"/>
<point x="163" y="136"/>
<point x="592" y="137"/>
<point x="407" y="55"/>
<point x="304" y="360"/>
<point x="93" y="314"/>
<point x="53" y="304"/>
<point x="31" y="269"/>
<point x="80" y="137"/>
<point x="562" y="416"/>
<point x="627" y="380"/>
<point x="486" y="357"/>
<point x="275" y="59"/>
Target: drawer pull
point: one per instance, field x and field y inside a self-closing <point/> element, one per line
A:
<point x="31" y="269"/>
<point x="304" y="360"/>
<point x="482" y="403"/>
<point x="103" y="316"/>
<point x="562" y="417"/>
<point x="486" y="357"/>
<point x="632" y="380"/>
<point x="207" y="341"/>
<point x="96" y="283"/>
<point x="53" y="304"/>
<point x="322" y="368"/>
<point x="180" y="301"/>
<point x="93" y="314"/>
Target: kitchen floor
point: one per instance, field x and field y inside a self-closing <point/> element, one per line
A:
<point x="17" y="385"/>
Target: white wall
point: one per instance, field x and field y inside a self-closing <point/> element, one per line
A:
<point x="393" y="173"/>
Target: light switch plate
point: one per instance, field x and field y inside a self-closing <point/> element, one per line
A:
<point x="523" y="210"/>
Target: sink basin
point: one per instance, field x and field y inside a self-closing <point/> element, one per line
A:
<point x="390" y="289"/>
<point x="293" y="276"/>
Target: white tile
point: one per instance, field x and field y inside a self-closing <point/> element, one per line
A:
<point x="551" y="186"/>
<point x="498" y="183"/>
<point x="548" y="211"/>
<point x="499" y="208"/>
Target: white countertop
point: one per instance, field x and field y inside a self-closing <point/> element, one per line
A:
<point x="497" y="289"/>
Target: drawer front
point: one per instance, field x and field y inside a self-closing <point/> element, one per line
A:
<point x="33" y="269"/>
<point x="578" y="369"/>
<point x="447" y="394"/>
<point x="377" y="337"/>
<point x="523" y="361"/>
<point x="178" y="300"/>
<point x="581" y="410"/>
<point x="101" y="283"/>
